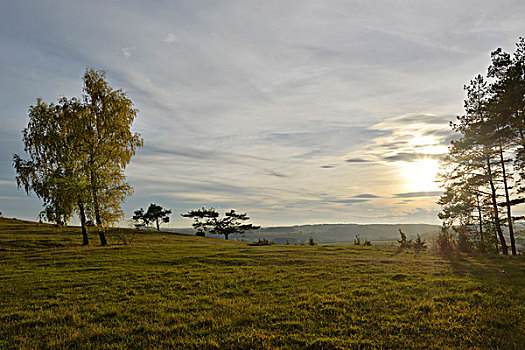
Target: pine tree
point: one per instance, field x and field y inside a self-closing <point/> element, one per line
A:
<point x="208" y="220"/>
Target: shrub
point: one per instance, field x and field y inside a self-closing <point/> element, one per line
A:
<point x="419" y="244"/>
<point x="464" y="243"/>
<point x="124" y="236"/>
<point x="403" y="242"/>
<point x="445" y="241"/>
<point x="263" y="241"/>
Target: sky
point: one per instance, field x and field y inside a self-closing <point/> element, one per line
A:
<point x="296" y="112"/>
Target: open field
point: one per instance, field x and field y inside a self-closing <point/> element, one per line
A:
<point x="176" y="291"/>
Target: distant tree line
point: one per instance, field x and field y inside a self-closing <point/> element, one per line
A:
<point x="77" y="151"/>
<point x="484" y="171"/>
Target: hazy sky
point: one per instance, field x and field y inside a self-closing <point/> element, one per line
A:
<point x="294" y="111"/>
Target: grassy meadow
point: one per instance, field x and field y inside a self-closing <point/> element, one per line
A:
<point x="177" y="291"/>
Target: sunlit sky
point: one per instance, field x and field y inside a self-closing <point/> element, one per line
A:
<point x="293" y="111"/>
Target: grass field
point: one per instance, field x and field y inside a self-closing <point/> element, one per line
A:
<point x="176" y="291"/>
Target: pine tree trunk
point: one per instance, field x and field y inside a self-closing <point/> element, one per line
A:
<point x="158" y="226"/>
<point x="496" y="213"/>
<point x="507" y="198"/>
<point x="496" y="243"/>
<point x="85" y="239"/>
<point x="481" y="238"/>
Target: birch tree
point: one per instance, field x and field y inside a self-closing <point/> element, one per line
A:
<point x="78" y="150"/>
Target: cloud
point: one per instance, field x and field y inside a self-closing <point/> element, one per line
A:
<point x="408" y="138"/>
<point x="276" y="174"/>
<point x="440" y="133"/>
<point x="410" y="157"/>
<point x="7" y="183"/>
<point x="348" y="201"/>
<point x="425" y="119"/>
<point x="171" y="38"/>
<point x="208" y="155"/>
<point x="418" y="194"/>
<point x="366" y="195"/>
<point x="327" y="166"/>
<point x="357" y="160"/>
<point x="126" y="51"/>
<point x="10" y="198"/>
<point x="443" y="136"/>
<point x="386" y="145"/>
<point x="324" y="140"/>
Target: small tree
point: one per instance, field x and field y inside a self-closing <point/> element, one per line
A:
<point x="419" y="244"/>
<point x="207" y="220"/>
<point x="140" y="219"/>
<point x="403" y="242"/>
<point x="155" y="214"/>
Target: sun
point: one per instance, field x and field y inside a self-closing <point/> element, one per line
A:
<point x="420" y="175"/>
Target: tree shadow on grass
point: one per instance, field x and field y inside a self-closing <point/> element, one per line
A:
<point x="494" y="269"/>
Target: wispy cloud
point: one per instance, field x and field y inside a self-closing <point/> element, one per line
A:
<point x="418" y="194"/>
<point x="127" y="51"/>
<point x="410" y="157"/>
<point x="366" y="195"/>
<point x="10" y="198"/>
<point x="171" y="38"/>
<point x="357" y="160"/>
<point x="348" y="201"/>
<point x="7" y="183"/>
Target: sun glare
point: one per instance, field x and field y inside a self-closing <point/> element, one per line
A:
<point x="422" y="140"/>
<point x="421" y="175"/>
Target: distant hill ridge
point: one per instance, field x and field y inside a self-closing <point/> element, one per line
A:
<point x="336" y="233"/>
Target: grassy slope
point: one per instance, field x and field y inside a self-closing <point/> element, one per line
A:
<point x="179" y="291"/>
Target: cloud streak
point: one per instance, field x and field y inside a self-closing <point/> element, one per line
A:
<point x="418" y="194"/>
<point x="410" y="157"/>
